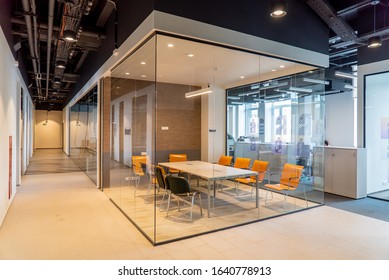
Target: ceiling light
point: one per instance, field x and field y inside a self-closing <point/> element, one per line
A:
<point x="316" y="81"/>
<point x="143" y="76"/>
<point x="345" y="75"/>
<point x="233" y="97"/>
<point x="198" y="92"/>
<point x="56" y="81"/>
<point x="190" y="55"/>
<point x="143" y="63"/>
<point x="374" y="42"/>
<point x="273" y="70"/>
<point x="278" y="9"/>
<point x="127" y="73"/>
<point x="170" y="45"/>
<point x="237" y="103"/>
<point x="242" y="77"/>
<point x="115" y="52"/>
<point x="350" y="86"/>
<point x="61" y="64"/>
<point x="300" y="89"/>
<point x="69" y="36"/>
<point x="282" y="66"/>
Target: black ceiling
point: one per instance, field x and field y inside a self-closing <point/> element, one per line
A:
<point x="50" y="86"/>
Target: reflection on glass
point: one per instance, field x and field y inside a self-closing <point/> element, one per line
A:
<point x="83" y="134"/>
<point x="176" y="106"/>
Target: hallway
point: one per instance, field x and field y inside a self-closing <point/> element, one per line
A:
<point x="64" y="216"/>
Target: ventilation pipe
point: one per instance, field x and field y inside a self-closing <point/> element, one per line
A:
<point x="27" y="17"/>
<point x="49" y="37"/>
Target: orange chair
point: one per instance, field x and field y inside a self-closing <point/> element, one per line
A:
<point x="176" y="158"/>
<point x="289" y="182"/>
<point x="136" y="164"/>
<point x="258" y="166"/>
<point x="243" y="163"/>
<point x="225" y="160"/>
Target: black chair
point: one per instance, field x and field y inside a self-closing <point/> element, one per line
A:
<point x="179" y="187"/>
<point x="160" y="176"/>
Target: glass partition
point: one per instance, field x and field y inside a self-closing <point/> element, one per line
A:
<point x="83" y="134"/>
<point x="377" y="135"/>
<point x="174" y="107"/>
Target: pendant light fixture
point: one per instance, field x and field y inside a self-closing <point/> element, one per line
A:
<point x="374" y="41"/>
<point x="278" y="9"/>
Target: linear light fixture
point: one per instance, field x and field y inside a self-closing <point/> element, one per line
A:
<point x="237" y="103"/>
<point x="350" y="86"/>
<point x="316" y="81"/>
<point x="233" y="97"/>
<point x="198" y="92"/>
<point x="345" y="75"/>
<point x="300" y="89"/>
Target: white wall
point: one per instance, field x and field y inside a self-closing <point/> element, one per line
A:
<point x="10" y="88"/>
<point x="48" y="134"/>
<point x="340" y="119"/>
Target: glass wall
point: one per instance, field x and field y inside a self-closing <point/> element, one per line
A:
<point x="83" y="134"/>
<point x="377" y="134"/>
<point x="169" y="108"/>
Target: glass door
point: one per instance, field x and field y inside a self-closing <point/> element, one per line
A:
<point x="377" y="135"/>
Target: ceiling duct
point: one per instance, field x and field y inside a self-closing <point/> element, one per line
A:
<point x="71" y="19"/>
<point x="329" y="16"/>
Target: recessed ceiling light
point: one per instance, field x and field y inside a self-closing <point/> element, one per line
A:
<point x="274" y="70"/>
<point x="143" y="76"/>
<point x="242" y="77"/>
<point x="127" y="73"/>
<point x="170" y="45"/>
<point x="118" y="87"/>
<point x="143" y="63"/>
<point x="282" y="66"/>
<point x="190" y="55"/>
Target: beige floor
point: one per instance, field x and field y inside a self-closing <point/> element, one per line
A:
<point x="63" y="216"/>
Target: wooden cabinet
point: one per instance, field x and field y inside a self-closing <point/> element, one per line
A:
<point x="345" y="171"/>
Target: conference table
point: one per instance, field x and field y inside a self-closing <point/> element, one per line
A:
<point x="212" y="172"/>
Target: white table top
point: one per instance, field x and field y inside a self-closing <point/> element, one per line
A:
<point x="206" y="170"/>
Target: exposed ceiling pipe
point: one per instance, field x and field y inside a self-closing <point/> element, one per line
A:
<point x="49" y="37"/>
<point x="27" y="17"/>
<point x="85" y="33"/>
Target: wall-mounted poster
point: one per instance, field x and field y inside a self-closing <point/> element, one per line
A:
<point x="10" y="168"/>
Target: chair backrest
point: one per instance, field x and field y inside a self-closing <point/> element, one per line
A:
<point x="177" y="184"/>
<point x="291" y="171"/>
<point x="225" y="160"/>
<point x="261" y="167"/>
<point x="242" y="162"/>
<point x="160" y="175"/>
<point x="136" y="164"/>
<point x="177" y="157"/>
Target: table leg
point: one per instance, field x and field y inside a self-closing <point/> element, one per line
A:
<point x="209" y="199"/>
<point x="256" y="192"/>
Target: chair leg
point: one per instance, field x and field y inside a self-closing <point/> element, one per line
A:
<point x="305" y="195"/>
<point x="201" y="205"/>
<point x="191" y="208"/>
<point x="237" y="188"/>
<point x="168" y="205"/>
